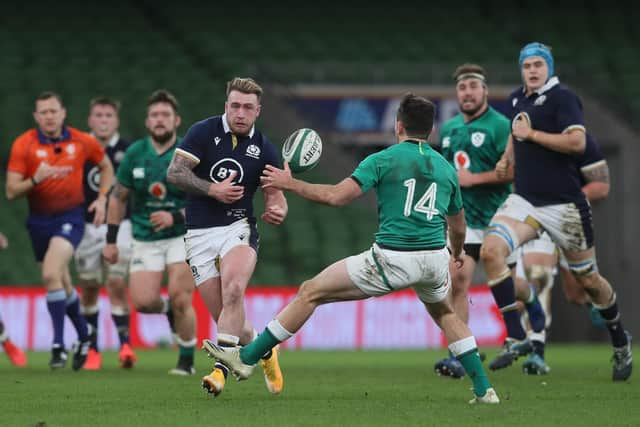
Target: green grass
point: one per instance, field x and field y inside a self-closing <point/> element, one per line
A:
<point x="321" y="389"/>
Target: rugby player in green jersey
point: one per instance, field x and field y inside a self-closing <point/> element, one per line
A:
<point x="418" y="196"/>
<point x="158" y="228"/>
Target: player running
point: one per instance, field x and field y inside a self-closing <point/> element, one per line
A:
<point x="473" y="141"/>
<point x="158" y="226"/>
<point x="219" y="164"/>
<point x="46" y="165"/>
<point x="547" y="132"/>
<point x="90" y="265"/>
<point x="418" y="194"/>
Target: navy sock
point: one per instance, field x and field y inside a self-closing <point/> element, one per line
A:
<point x="611" y="317"/>
<point x="92" y="319"/>
<point x="57" y="304"/>
<point x="537" y="318"/>
<point x="505" y="296"/>
<point x="73" y="311"/>
<point x="122" y="325"/>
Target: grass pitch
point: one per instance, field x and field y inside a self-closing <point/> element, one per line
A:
<point x="393" y="388"/>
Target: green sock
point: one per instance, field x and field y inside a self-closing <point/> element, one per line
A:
<point x="187" y="351"/>
<point x="473" y="366"/>
<point x="251" y="353"/>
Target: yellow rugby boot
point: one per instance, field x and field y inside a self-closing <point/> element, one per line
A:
<point x="272" y="373"/>
<point x="214" y="382"/>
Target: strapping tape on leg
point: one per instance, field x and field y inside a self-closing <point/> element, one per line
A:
<point x="583" y="268"/>
<point x="505" y="233"/>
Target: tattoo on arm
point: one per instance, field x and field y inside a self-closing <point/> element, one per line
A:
<point x="596" y="172"/>
<point x="181" y="175"/>
<point x="120" y="192"/>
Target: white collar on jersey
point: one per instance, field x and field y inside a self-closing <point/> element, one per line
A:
<point x="113" y="141"/>
<point x="227" y="129"/>
<point x="553" y="81"/>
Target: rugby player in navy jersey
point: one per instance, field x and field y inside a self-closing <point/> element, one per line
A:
<point x="92" y="270"/>
<point x="219" y="164"/>
<point x="547" y="133"/>
<point x="538" y="259"/>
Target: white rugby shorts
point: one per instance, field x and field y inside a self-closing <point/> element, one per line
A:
<point x="156" y="255"/>
<point x="568" y="226"/>
<point x="89" y="263"/>
<point x="205" y="247"/>
<point x="378" y="271"/>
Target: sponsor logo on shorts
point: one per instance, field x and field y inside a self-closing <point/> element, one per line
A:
<point x="194" y="272"/>
<point x="66" y="228"/>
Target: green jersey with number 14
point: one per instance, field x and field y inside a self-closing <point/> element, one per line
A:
<point x="477" y="146"/>
<point x="416" y="190"/>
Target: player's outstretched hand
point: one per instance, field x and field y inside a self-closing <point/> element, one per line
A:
<point x="110" y="253"/>
<point x="161" y="220"/>
<point x="226" y="191"/>
<point x="274" y="215"/>
<point x="276" y="178"/>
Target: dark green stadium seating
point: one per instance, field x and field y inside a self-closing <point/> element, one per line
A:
<point x="127" y="49"/>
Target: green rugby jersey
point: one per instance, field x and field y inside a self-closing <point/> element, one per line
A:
<point x="144" y="173"/>
<point x="477" y="146"/>
<point x="416" y="189"/>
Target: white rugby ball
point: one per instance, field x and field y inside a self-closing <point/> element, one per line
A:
<point x="302" y="150"/>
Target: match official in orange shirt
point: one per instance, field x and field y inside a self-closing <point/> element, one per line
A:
<point x="46" y="165"/>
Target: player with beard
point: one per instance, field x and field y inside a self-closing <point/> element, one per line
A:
<point x="157" y="216"/>
<point x="473" y="141"/>
<point x="219" y="164"/>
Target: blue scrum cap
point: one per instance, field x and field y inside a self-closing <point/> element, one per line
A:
<point x="537" y="49"/>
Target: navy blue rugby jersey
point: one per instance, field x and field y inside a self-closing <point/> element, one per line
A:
<point x="210" y="143"/>
<point x="543" y="176"/>
<point x="115" y="150"/>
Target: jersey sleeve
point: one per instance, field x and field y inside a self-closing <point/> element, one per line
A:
<point x="18" y="158"/>
<point x="503" y="130"/>
<point x="271" y="156"/>
<point x="124" y="174"/>
<point x="367" y="173"/>
<point x="193" y="143"/>
<point x="95" y="151"/>
<point x="455" y="203"/>
<point x="569" y="112"/>
<point x="592" y="153"/>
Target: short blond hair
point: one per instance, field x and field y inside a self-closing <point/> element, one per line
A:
<point x="244" y="85"/>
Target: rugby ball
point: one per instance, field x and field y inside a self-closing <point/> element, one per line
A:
<point x="302" y="150"/>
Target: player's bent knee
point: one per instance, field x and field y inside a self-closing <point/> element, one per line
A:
<point x="539" y="274"/>
<point x="493" y="252"/>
